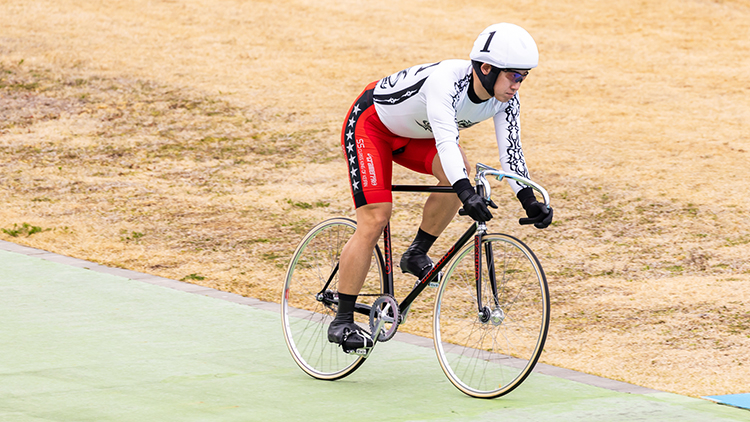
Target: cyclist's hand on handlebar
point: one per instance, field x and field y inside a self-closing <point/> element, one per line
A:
<point x="474" y="205"/>
<point x="543" y="216"/>
<point x="537" y="213"/>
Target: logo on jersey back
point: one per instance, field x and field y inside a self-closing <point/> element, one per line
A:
<point x="398" y="96"/>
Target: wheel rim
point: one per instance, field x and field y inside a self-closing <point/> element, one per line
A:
<point x="305" y="319"/>
<point x="490" y="355"/>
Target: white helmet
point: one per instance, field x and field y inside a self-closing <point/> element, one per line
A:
<point x="506" y="46"/>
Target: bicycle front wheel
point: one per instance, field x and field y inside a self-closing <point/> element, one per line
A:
<point x="309" y="300"/>
<point x="488" y="352"/>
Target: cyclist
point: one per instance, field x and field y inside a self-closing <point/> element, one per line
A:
<point x="413" y="117"/>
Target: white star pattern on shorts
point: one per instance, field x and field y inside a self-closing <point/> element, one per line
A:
<point x="349" y="135"/>
<point x="354" y="172"/>
<point x="355" y="185"/>
<point x="352" y="121"/>
<point x="356" y="109"/>
<point x="349" y="147"/>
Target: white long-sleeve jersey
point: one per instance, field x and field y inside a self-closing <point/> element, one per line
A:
<point x="433" y="101"/>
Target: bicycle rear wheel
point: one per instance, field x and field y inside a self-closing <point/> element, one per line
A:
<point x="488" y="354"/>
<point x="309" y="302"/>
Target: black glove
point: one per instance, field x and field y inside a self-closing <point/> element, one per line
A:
<point x="538" y="214"/>
<point x="474" y="205"/>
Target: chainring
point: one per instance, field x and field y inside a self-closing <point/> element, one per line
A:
<point x="384" y="310"/>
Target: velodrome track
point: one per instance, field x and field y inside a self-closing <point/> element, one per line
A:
<point x="84" y="342"/>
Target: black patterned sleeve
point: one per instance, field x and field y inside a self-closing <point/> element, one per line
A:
<point x="508" y="132"/>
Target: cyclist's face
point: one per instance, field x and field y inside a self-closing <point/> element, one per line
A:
<point x="508" y="83"/>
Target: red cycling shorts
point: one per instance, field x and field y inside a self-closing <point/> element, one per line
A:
<point x="371" y="148"/>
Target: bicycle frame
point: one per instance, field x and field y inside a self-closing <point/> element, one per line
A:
<point x="434" y="273"/>
<point x="476" y="230"/>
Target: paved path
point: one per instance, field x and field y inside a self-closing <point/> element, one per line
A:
<point x="83" y="342"/>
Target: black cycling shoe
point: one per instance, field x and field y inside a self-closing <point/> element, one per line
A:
<point x="349" y="336"/>
<point x="415" y="263"/>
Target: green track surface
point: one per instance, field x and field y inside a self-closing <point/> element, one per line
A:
<point x="78" y="342"/>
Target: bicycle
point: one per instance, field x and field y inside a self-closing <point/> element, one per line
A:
<point x="491" y="313"/>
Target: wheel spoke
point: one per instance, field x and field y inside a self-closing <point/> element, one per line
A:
<point x="305" y="319"/>
<point x="489" y="359"/>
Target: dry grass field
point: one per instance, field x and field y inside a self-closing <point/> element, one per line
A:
<point x="199" y="140"/>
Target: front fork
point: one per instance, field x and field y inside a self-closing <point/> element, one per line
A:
<point x="485" y="313"/>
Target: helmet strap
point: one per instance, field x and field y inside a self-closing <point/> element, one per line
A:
<point x="488" y="80"/>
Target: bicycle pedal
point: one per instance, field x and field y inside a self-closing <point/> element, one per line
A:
<point x="364" y="351"/>
<point x="436" y="282"/>
<point x="433" y="283"/>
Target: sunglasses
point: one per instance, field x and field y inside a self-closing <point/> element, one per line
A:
<point x="516" y="76"/>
